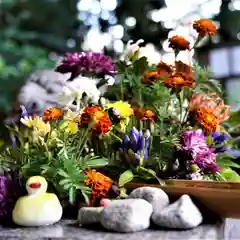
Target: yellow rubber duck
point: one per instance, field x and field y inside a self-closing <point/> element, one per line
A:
<point x="38" y="208"/>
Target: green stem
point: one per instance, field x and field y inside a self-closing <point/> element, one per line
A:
<point x="121" y="88"/>
<point x="83" y="142"/>
<point x="180" y="105"/>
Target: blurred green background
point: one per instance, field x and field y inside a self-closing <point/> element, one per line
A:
<point x="33" y="33"/>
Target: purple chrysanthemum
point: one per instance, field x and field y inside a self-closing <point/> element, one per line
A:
<point x="86" y="63"/>
<point x="206" y="161"/>
<point x="11" y="188"/>
<point x="194" y="142"/>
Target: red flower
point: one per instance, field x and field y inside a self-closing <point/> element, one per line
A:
<point x="179" y="80"/>
<point x="205" y="27"/>
<point x="144" y="114"/>
<point x="100" y="185"/>
<point x="100" y="120"/>
<point x="179" y="43"/>
<point x="52" y="114"/>
<point x="150" y="77"/>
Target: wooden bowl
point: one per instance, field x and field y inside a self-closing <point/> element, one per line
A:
<point x="220" y="198"/>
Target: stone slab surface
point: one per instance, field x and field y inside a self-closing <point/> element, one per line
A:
<point x="68" y="229"/>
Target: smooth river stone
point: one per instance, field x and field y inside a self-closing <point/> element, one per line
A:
<point x="155" y="196"/>
<point x="182" y="214"/>
<point x="127" y="215"/>
<point x="89" y="215"/>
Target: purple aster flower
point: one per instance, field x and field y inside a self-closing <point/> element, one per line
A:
<point x="194" y="142"/>
<point x="11" y="188"/>
<point x="206" y="161"/>
<point x="86" y="63"/>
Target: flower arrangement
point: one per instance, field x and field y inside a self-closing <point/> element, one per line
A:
<point x="166" y="122"/>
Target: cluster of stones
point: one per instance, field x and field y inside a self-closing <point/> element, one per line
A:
<point x="144" y="205"/>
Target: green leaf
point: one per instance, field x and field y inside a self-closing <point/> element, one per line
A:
<point x="64" y="182"/>
<point x="96" y="162"/>
<point x="227" y="162"/>
<point x="63" y="173"/>
<point x="72" y="195"/>
<point x="234" y="118"/>
<point x="121" y="66"/>
<point x="230" y="175"/>
<point x="150" y="172"/>
<point x="125" y="177"/>
<point x="86" y="196"/>
<point x="140" y="66"/>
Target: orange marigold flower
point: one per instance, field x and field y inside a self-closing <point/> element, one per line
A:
<point x="164" y="70"/>
<point x="179" y="80"/>
<point x="205" y="27"/>
<point x="183" y="67"/>
<point x="209" y="110"/>
<point x="207" y="120"/>
<point x="164" y="67"/>
<point x="53" y="114"/>
<point x="100" y="185"/>
<point x="150" y="77"/>
<point x="144" y="114"/>
<point x="179" y="43"/>
<point x="99" y="118"/>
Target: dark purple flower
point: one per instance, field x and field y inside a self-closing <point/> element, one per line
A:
<point x="222" y="149"/>
<point x="206" y="161"/>
<point x="11" y="188"/>
<point x="137" y="142"/>
<point x="86" y="63"/>
<point x="194" y="144"/>
<point x="220" y="137"/>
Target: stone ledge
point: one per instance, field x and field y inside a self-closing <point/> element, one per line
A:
<point x="68" y="229"/>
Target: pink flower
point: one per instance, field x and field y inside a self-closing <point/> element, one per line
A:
<point x="206" y="161"/>
<point x="194" y="142"/>
<point x="104" y="202"/>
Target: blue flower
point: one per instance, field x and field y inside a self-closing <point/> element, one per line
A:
<point x="220" y="137"/>
<point x="137" y="142"/>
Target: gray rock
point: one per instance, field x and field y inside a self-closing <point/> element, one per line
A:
<point x="182" y="214"/>
<point x="128" y="215"/>
<point x="89" y="215"/>
<point x="155" y="196"/>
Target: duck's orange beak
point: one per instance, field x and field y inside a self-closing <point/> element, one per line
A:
<point x="35" y="185"/>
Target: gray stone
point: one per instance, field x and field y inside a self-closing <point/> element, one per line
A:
<point x="182" y="214"/>
<point x="155" y="196"/>
<point x="128" y="215"/>
<point x="89" y="215"/>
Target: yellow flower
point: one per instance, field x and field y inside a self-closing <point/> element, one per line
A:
<point x="72" y="121"/>
<point x="37" y="124"/>
<point x="73" y="116"/>
<point x="124" y="108"/>
<point x="72" y="127"/>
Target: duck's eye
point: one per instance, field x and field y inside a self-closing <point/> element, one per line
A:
<point x="35" y="185"/>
